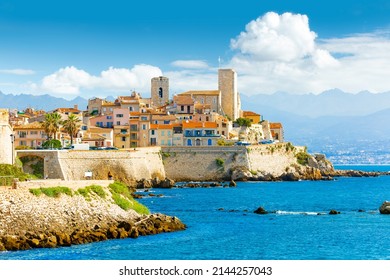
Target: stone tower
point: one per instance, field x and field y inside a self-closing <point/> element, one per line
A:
<point x="5" y="138"/>
<point x="227" y="84"/>
<point x="160" y="91"/>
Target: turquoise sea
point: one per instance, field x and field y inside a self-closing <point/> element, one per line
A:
<point x="222" y="225"/>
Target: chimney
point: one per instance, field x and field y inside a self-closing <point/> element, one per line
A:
<point x="76" y="107"/>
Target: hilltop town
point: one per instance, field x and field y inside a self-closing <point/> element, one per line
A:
<point x="192" y="118"/>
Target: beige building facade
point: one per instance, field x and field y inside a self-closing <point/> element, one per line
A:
<point x="6" y="145"/>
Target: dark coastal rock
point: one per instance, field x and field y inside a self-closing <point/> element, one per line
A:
<point x="232" y="184"/>
<point x="260" y="211"/>
<point x="164" y="184"/>
<point x="334" y="212"/>
<point x="385" y="208"/>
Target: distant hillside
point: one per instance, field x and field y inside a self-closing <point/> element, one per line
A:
<point x="329" y="103"/>
<point x="45" y="102"/>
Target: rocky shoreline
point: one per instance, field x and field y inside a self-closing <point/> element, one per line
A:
<point x="28" y="221"/>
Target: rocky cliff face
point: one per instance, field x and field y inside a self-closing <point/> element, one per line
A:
<point x="28" y="221"/>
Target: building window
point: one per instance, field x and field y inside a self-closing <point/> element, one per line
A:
<point x="209" y="142"/>
<point x="123" y="139"/>
<point x="182" y="108"/>
<point x="119" y="115"/>
<point x="144" y="127"/>
<point x="160" y="92"/>
<point x="110" y="124"/>
<point x="169" y="142"/>
<point x="22" y="134"/>
<point x="144" y="118"/>
<point x="162" y="133"/>
<point x="152" y="131"/>
<point x="123" y="131"/>
<point x="189" y="142"/>
<point x="162" y="142"/>
<point x="169" y="133"/>
<point x="109" y="117"/>
<point x="118" y="123"/>
<point x="131" y="109"/>
<point x="34" y="132"/>
<point x="197" y="142"/>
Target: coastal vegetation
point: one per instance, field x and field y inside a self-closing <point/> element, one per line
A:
<point x="52" y="192"/>
<point x="10" y="172"/>
<point x="302" y="158"/>
<point x="120" y="194"/>
<point x="220" y="162"/>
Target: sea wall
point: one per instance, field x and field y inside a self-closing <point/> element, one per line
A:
<point x="202" y="163"/>
<point x="218" y="163"/>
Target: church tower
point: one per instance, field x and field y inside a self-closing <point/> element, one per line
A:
<point x="160" y="91"/>
<point x="227" y="84"/>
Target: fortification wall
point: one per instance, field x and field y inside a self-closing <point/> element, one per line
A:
<point x="274" y="159"/>
<point x="128" y="165"/>
<point x="200" y="163"/>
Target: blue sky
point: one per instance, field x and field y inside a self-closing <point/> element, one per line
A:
<point x="100" y="48"/>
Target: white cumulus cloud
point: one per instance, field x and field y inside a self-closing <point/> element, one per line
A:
<point x="17" y="71"/>
<point x="190" y="64"/>
<point x="71" y="80"/>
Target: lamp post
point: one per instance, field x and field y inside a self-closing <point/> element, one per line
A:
<point x="63" y="141"/>
<point x="12" y="151"/>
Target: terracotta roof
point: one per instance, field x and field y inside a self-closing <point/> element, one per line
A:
<point x="191" y="124"/>
<point x="33" y="125"/>
<point x="183" y="99"/>
<point x="200" y="92"/>
<point x="204" y="106"/>
<point x="275" y="125"/>
<point x="95" y="129"/>
<point x="249" y="113"/>
<point x="161" y="126"/>
<point x="72" y="110"/>
<point x="163" y="117"/>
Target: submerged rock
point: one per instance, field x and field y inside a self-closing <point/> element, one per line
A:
<point x="260" y="211"/>
<point x="334" y="212"/>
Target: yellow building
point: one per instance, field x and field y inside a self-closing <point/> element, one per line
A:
<point x="161" y="134"/>
<point x="254" y="117"/>
<point x="31" y="135"/>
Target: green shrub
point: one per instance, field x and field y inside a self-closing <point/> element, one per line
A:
<point x="121" y="201"/>
<point x="36" y="192"/>
<point x="57" y="191"/>
<point x="123" y="198"/>
<point x="52" y="191"/>
<point x="220" y="162"/>
<point x="302" y="158"/>
<point x="97" y="190"/>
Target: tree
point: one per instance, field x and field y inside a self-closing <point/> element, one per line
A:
<point x="243" y="122"/>
<point x="71" y="126"/>
<point x="51" y="124"/>
<point x="52" y="144"/>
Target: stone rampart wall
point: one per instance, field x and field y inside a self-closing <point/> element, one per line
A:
<point x="128" y="165"/>
<point x="200" y="163"/>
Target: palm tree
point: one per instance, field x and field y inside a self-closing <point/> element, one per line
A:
<point x="71" y="126"/>
<point x="51" y="124"/>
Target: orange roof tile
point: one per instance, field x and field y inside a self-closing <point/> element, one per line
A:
<point x="199" y="124"/>
<point x="249" y="113"/>
<point x="33" y="125"/>
<point x="275" y="125"/>
<point x="161" y="126"/>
